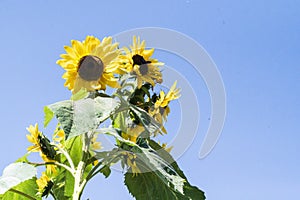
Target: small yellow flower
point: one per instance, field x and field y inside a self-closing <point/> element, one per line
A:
<point x="43" y="182"/>
<point x="59" y="135"/>
<point x="39" y="145"/>
<point x="34" y="138"/>
<point x="161" y="108"/>
<point x="164" y="100"/>
<point x="88" y="64"/>
<point x="138" y="61"/>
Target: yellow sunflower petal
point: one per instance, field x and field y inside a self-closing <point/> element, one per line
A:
<point x="102" y="52"/>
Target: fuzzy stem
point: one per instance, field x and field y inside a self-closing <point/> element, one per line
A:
<point x="72" y="171"/>
<point x="66" y="154"/>
<point x="79" y="182"/>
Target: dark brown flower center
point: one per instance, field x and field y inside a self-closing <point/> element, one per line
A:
<point x="90" y="68"/>
<point x="139" y="60"/>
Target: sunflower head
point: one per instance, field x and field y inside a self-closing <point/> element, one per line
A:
<point x="34" y="138"/>
<point x="161" y="108"/>
<point x="137" y="60"/>
<point x="88" y="64"/>
<point x="164" y="99"/>
<point x="44" y="184"/>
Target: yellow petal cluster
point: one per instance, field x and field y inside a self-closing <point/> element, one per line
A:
<point x="137" y="60"/>
<point x="88" y="64"/>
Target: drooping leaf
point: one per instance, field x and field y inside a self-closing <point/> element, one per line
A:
<point x="84" y="115"/>
<point x="148" y="185"/>
<point x="150" y="162"/>
<point x="15" y="174"/>
<point x="190" y="191"/>
<point x="28" y="188"/>
<point x="157" y="179"/>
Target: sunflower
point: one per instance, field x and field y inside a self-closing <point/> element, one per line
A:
<point x="33" y="138"/>
<point x="88" y="64"/>
<point x="138" y="61"/>
<point x="44" y="184"/>
<point x="41" y="144"/>
<point x="59" y="135"/>
<point x="161" y="108"/>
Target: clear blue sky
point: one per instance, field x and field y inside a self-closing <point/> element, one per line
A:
<point x="255" y="44"/>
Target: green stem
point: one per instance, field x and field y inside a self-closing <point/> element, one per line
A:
<point x="22" y="193"/>
<point x="90" y="175"/>
<point x="79" y="182"/>
<point x="72" y="171"/>
<point x="67" y="155"/>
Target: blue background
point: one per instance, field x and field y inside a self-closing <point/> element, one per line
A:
<point x="255" y="44"/>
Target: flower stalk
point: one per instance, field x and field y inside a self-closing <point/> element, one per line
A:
<point x="79" y="173"/>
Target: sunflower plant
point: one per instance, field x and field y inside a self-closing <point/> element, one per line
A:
<point x="132" y="113"/>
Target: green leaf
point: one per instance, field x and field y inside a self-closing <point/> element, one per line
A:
<point x="144" y="186"/>
<point x="60" y="184"/>
<point x="149" y="123"/>
<point x="115" y="133"/>
<point x="119" y="120"/>
<point x="108" y="158"/>
<point x="23" y="158"/>
<point x="69" y="184"/>
<point x="15" y="174"/>
<point x="63" y="111"/>
<point x="84" y="115"/>
<point x="149" y="161"/>
<point x="128" y="85"/>
<point x="74" y="147"/>
<point x="190" y="191"/>
<point x="105" y="171"/>
<point x="28" y="187"/>
<point x="48" y="116"/>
